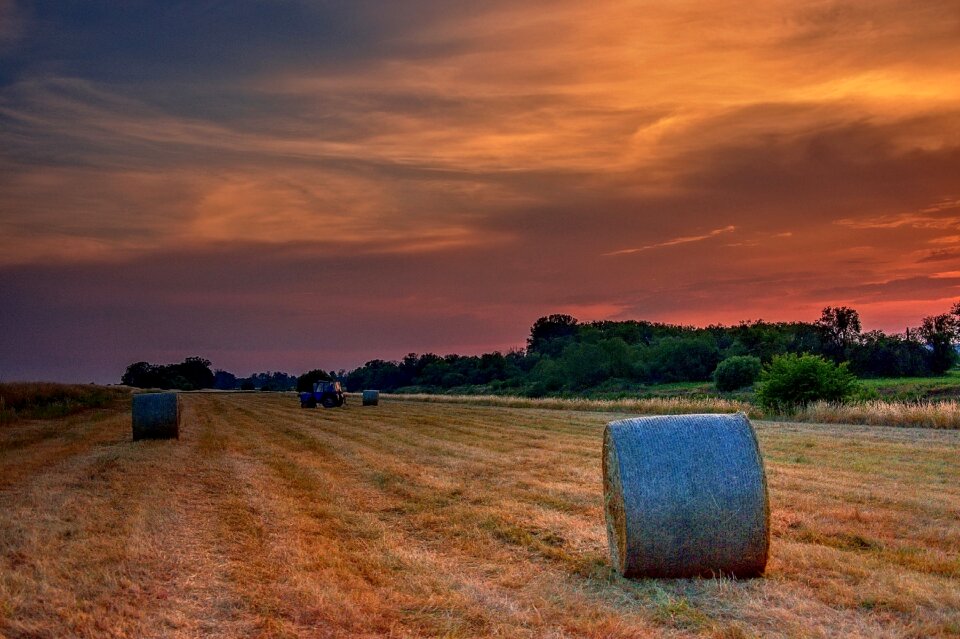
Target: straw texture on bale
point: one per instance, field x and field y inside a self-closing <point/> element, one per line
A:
<point x="371" y="397"/>
<point x="156" y="416"/>
<point x="685" y="496"/>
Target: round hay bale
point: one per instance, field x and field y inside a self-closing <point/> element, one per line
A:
<point x="685" y="496"/>
<point x="156" y="416"/>
<point x="371" y="397"/>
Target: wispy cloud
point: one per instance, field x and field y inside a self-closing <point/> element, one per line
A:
<point x="939" y="215"/>
<point x="686" y="239"/>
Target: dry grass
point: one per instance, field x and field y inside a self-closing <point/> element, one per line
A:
<point x="943" y="414"/>
<point x="919" y="414"/>
<point x="447" y="520"/>
<point x="644" y="406"/>
<point x="39" y="400"/>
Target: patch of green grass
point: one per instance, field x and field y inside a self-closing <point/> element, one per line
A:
<point x="916" y="388"/>
<point x="680" y="613"/>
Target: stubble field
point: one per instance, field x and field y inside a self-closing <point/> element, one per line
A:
<point x="444" y="519"/>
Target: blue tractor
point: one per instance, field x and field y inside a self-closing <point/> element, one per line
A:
<point x="327" y="394"/>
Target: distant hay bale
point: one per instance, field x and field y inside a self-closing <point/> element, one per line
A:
<point x="371" y="397"/>
<point x="685" y="496"/>
<point x="156" y="416"/>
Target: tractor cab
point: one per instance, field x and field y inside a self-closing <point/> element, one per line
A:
<point x="327" y="394"/>
<point x="327" y="387"/>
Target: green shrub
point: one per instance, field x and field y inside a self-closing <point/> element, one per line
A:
<point x="792" y="380"/>
<point x="737" y="372"/>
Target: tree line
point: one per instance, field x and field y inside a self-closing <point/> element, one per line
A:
<point x="194" y="373"/>
<point x="565" y="355"/>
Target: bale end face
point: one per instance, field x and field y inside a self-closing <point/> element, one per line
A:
<point x="156" y="416"/>
<point x="685" y="496"/>
<point x="371" y="397"/>
<point x="613" y="507"/>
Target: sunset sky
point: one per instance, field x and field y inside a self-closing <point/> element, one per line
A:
<point x="290" y="184"/>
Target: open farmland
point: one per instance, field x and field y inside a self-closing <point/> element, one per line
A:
<point x="444" y="519"/>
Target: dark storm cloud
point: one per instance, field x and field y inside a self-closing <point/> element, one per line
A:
<point x="141" y="41"/>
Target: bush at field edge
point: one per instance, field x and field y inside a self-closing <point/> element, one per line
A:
<point x="737" y="372"/>
<point x="791" y="381"/>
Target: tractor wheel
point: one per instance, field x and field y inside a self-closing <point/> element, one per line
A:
<point x="328" y="402"/>
<point x="310" y="403"/>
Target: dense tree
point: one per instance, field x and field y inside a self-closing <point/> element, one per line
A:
<point x="551" y="334"/>
<point x="223" y="380"/>
<point x="547" y="376"/>
<point x="882" y="355"/>
<point x="940" y="333"/>
<point x="269" y="381"/>
<point x="680" y="359"/>
<point x="377" y="374"/>
<point x="142" y="375"/>
<point x="839" y="328"/>
<point x="766" y="339"/>
<point x="737" y="372"/>
<point x="306" y="381"/>
<point x="582" y="366"/>
<point x="193" y="373"/>
<point x="635" y="332"/>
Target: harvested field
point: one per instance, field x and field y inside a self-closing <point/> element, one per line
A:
<point x="444" y="519"/>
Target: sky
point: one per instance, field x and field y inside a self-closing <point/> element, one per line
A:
<point x="293" y="184"/>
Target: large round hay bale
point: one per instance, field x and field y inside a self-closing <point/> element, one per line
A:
<point x="685" y="496"/>
<point x="371" y="397"/>
<point x="156" y="416"/>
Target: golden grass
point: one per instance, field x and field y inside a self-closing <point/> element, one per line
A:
<point x="444" y="520"/>
<point x="922" y="414"/>
<point x="940" y="414"/>
<point x="645" y="406"/>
